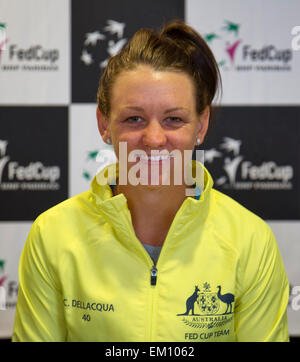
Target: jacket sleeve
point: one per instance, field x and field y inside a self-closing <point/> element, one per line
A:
<point x="39" y="313"/>
<point x="260" y="313"/>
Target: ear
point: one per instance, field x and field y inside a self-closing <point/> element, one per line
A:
<point x="102" y="124"/>
<point x="203" y="124"/>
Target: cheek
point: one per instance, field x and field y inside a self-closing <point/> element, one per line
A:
<point x="186" y="137"/>
<point x="131" y="139"/>
<point x="125" y="142"/>
<point x="183" y="141"/>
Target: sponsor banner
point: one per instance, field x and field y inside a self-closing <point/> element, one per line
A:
<point x="33" y="160"/>
<point x="287" y="235"/>
<point x="259" y="60"/>
<point x="101" y="30"/>
<point x="34" y="52"/>
<point x="12" y="239"/>
<point x="88" y="153"/>
<point x="253" y="156"/>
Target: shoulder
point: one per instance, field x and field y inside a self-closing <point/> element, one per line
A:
<point x="59" y="224"/>
<point x="66" y="209"/>
<point x="232" y="209"/>
<point x="58" y="231"/>
<point x="239" y="226"/>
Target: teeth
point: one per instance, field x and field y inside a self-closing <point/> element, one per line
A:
<point x="154" y="158"/>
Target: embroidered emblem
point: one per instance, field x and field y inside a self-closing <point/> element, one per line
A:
<point x="208" y="307"/>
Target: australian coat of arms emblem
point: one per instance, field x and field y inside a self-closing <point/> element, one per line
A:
<point x="208" y="302"/>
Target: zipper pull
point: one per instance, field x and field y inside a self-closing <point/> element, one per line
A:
<point x="153" y="275"/>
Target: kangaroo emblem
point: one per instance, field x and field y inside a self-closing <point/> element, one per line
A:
<point x="190" y="302"/>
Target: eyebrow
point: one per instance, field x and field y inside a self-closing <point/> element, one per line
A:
<point x="140" y="109"/>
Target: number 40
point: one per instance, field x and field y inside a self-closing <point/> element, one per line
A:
<point x="86" y="317"/>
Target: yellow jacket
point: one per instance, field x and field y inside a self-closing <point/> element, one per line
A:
<point x="84" y="275"/>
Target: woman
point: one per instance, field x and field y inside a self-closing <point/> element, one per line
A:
<point x="146" y="261"/>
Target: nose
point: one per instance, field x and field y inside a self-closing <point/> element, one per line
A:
<point x="154" y="135"/>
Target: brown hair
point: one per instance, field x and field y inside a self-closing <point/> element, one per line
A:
<point x="176" y="47"/>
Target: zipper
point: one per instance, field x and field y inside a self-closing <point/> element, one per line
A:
<point x="153" y="278"/>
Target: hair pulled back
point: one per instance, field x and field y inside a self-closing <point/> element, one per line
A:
<point x="177" y="47"/>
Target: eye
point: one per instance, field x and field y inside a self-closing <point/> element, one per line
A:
<point x="133" y="120"/>
<point x="174" y="121"/>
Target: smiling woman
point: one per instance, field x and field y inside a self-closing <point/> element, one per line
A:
<point x="154" y="97"/>
<point x="171" y="266"/>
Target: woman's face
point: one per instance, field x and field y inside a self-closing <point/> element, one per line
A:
<point x="153" y="111"/>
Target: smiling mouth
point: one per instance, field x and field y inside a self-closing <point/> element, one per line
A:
<point x="154" y="158"/>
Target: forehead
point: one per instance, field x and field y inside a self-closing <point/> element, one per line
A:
<point x="151" y="87"/>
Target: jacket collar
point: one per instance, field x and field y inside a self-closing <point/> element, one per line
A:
<point x="115" y="210"/>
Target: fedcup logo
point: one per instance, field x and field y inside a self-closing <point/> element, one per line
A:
<point x="34" y="176"/>
<point x="242" y="174"/>
<point x="236" y="52"/>
<point x="157" y="168"/>
<point x="111" y="35"/>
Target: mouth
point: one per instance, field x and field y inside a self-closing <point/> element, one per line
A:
<point x="153" y="159"/>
